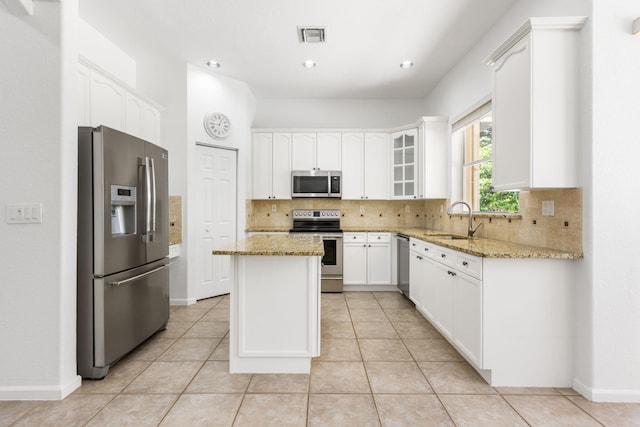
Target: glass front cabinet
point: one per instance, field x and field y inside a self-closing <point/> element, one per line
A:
<point x="405" y="164"/>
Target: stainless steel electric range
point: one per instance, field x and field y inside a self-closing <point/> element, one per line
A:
<point x="325" y="223"/>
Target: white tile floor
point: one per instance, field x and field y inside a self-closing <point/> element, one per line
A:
<point x="382" y="364"/>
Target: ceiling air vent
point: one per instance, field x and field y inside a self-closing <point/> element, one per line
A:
<point x="311" y="34"/>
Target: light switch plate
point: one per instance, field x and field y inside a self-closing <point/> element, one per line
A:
<point x="24" y="213"/>
<point x="548" y="208"/>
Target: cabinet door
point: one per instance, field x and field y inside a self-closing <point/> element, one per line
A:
<point x="281" y="164"/>
<point x="376" y="166"/>
<point x="379" y="263"/>
<point x="433" y="160"/>
<point x="404" y="159"/>
<point x="416" y="288"/>
<point x="353" y="167"/>
<point x="133" y="115"/>
<point x="107" y="103"/>
<point x="429" y="284"/>
<point x="354" y="263"/>
<point x="84" y="91"/>
<point x="303" y="152"/>
<point x="151" y="124"/>
<point x="512" y="119"/>
<point x="328" y="151"/>
<point x="468" y="309"/>
<point x="445" y="285"/>
<point x="261" y="168"/>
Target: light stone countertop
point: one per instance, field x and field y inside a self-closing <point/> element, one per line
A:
<point x="276" y="244"/>
<point x="486" y="248"/>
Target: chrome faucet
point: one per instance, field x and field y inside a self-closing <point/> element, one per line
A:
<point x="471" y="230"/>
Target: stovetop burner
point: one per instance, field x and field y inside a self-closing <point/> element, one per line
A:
<point x="316" y="221"/>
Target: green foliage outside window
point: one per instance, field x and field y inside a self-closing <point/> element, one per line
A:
<point x="490" y="201"/>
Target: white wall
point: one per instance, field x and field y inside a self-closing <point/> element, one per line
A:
<point x="208" y="92"/>
<point x="336" y="113"/>
<point x="38" y="164"/>
<point x="614" y="231"/>
<point x="105" y="55"/>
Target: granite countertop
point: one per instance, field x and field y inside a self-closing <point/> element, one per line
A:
<point x="275" y="244"/>
<point x="486" y="248"/>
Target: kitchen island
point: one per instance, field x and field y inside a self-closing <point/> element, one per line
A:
<point x="275" y="303"/>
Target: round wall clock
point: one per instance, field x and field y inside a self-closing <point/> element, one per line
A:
<point x="217" y="125"/>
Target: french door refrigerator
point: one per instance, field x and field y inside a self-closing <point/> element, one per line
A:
<point x="123" y="246"/>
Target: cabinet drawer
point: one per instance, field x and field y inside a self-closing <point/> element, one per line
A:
<point x="378" y="237"/>
<point x="355" y="237"/>
<point x="470" y="265"/>
<point x="444" y="256"/>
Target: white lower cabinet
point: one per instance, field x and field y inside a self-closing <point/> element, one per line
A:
<point x="510" y="318"/>
<point x="449" y="298"/>
<point x="367" y="259"/>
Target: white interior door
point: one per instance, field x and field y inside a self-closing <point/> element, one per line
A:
<point x="217" y="183"/>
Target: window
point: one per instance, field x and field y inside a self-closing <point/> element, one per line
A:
<point x="477" y="164"/>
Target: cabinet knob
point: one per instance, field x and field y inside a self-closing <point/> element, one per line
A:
<point x="465" y="263"/>
<point x="413" y="244"/>
<point x="369" y="245"/>
<point x="443" y="255"/>
<point x="364" y="246"/>
<point x="378" y="237"/>
<point x="451" y="273"/>
<point x="426" y="249"/>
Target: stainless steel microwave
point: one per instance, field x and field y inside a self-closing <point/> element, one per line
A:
<point x="316" y="184"/>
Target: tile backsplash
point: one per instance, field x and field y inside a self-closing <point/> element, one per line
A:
<point x="562" y="231"/>
<point x="175" y="219"/>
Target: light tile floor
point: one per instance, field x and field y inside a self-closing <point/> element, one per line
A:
<point x="382" y="364"/>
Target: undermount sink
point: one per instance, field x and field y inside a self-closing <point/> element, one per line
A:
<point x="452" y="237"/>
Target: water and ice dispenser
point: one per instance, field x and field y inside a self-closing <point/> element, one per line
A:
<point x="123" y="210"/>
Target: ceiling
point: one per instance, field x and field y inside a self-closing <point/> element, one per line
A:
<point x="256" y="40"/>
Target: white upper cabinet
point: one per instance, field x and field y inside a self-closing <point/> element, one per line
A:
<point x="434" y="167"/>
<point x="535" y="105"/>
<point x="329" y="151"/>
<point x="311" y="151"/>
<point x="271" y="165"/>
<point x="404" y="149"/>
<point x="103" y="101"/>
<point x="366" y="173"/>
<point x="107" y="102"/>
<point x="376" y="166"/>
<point x="303" y="152"/>
<point x="353" y="169"/>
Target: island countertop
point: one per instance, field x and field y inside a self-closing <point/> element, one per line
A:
<point x="298" y="244"/>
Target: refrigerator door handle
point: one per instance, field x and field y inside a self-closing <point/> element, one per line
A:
<point x="154" y="196"/>
<point x="147" y="176"/>
<point x="139" y="276"/>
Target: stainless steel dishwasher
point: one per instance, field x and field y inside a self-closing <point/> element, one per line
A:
<point x="403" y="263"/>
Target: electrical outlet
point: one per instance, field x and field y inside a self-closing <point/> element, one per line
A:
<point x="274" y="207"/>
<point x="361" y="209"/>
<point x="407" y="209"/>
<point x="548" y="208"/>
<point x="441" y="209"/>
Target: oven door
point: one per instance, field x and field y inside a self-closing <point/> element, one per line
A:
<point x="332" y="259"/>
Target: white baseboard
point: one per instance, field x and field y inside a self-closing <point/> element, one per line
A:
<point x="182" y="301"/>
<point x="40" y="392"/>
<point x="606" y="395"/>
<point x="370" y="288"/>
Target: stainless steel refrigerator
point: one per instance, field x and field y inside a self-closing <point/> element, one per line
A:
<point x="123" y="246"/>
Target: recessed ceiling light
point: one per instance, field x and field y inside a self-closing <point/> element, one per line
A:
<point x="406" y="64"/>
<point x="213" y="64"/>
<point x="309" y="63"/>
